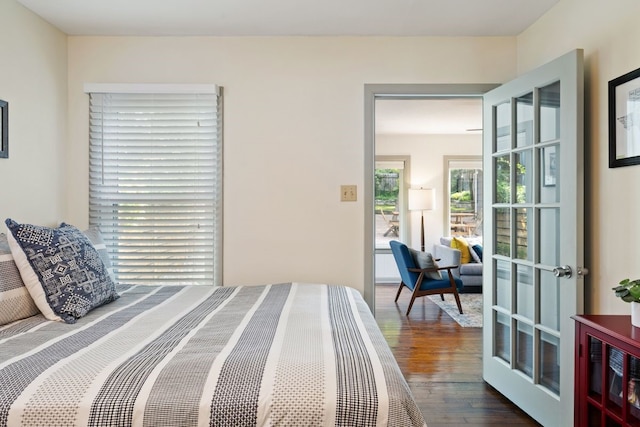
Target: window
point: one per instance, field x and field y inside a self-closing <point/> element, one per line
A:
<point x="155" y="171"/>
<point x="464" y="190"/>
<point x="389" y="189"/>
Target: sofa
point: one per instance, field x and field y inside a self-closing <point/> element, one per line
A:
<point x="469" y="272"/>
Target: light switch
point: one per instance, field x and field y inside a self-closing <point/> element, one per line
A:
<point x="348" y="193"/>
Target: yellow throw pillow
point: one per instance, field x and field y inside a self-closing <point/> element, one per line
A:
<point x="463" y="246"/>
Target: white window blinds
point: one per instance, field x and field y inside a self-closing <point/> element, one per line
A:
<point x="156" y="184"/>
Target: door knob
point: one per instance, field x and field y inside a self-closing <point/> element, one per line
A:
<point x="564" y="271"/>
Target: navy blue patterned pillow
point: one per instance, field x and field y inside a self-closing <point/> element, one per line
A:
<point x="478" y="250"/>
<point x="95" y="237"/>
<point x="61" y="269"/>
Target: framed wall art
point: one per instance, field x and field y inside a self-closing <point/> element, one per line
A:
<point x="624" y="120"/>
<point x="4" y="129"/>
<point x="549" y="166"/>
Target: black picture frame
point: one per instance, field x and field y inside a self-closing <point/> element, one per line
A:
<point x="4" y="129"/>
<point x="624" y="120"/>
<point x="549" y="166"/>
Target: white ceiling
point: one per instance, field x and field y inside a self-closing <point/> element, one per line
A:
<point x="428" y="116"/>
<point x="313" y="18"/>
<point x="291" y="17"/>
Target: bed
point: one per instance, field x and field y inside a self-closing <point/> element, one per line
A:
<point x="286" y="354"/>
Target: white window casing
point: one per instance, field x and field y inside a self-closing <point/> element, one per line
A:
<point x="155" y="171"/>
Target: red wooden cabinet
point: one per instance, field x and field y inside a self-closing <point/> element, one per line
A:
<point x="607" y="383"/>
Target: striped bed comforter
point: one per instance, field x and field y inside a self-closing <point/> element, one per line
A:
<point x="289" y="354"/>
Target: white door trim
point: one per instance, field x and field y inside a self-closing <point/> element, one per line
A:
<point x="394" y="91"/>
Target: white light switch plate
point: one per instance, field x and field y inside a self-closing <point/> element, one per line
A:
<point x="348" y="193"/>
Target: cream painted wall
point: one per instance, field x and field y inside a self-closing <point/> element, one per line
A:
<point x="293" y="128"/>
<point x="609" y="34"/>
<point x="33" y="79"/>
<point x="427" y="170"/>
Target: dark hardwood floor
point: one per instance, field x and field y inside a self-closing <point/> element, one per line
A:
<point x="442" y="363"/>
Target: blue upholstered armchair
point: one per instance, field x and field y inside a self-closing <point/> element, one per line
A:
<point x="422" y="276"/>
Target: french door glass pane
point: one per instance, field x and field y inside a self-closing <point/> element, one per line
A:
<point x="524" y="176"/>
<point x="524" y="117"/>
<point x="525" y="297"/>
<point x="503" y="179"/>
<point x="503" y="126"/>
<point x="524" y="348"/>
<point x="550" y="294"/>
<point x="502" y="218"/>
<point x="550" y="112"/>
<point x="502" y="330"/>
<point x="503" y="284"/>
<point x="524" y="234"/>
<point x="549" y="174"/>
<point x="549" y="361"/>
<point x="549" y="236"/>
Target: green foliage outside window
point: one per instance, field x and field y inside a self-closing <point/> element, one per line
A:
<point x="503" y="181"/>
<point x="461" y="194"/>
<point x="387" y="187"/>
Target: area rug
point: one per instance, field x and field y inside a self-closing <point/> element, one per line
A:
<point x="471" y="306"/>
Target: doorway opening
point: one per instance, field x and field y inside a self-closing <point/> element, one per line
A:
<point x="377" y="98"/>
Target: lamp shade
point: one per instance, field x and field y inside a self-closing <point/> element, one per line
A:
<point x="422" y="199"/>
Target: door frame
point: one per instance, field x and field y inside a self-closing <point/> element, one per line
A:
<point x="395" y="91"/>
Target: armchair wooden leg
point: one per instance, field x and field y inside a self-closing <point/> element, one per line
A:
<point x="399" y="290"/>
<point x="454" y="290"/>
<point x="413" y="298"/>
<point x="415" y="293"/>
<point x="442" y="297"/>
<point x="457" y="296"/>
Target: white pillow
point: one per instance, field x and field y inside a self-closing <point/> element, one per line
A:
<point x="446" y="241"/>
<point x="474" y="240"/>
<point x="15" y="301"/>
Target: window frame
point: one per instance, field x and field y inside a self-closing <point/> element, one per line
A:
<point x="181" y="89"/>
<point x="402" y="200"/>
<point x="446" y="196"/>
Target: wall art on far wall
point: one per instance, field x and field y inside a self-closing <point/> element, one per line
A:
<point x="624" y="120"/>
<point x="4" y="129"/>
<point x="549" y="166"/>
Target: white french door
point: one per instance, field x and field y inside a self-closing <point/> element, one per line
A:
<point x="533" y="280"/>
